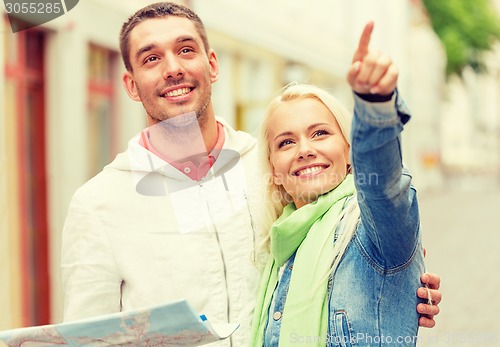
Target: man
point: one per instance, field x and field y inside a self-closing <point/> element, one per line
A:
<point x="180" y="213"/>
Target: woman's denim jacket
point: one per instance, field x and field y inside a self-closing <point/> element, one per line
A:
<point x="373" y="294"/>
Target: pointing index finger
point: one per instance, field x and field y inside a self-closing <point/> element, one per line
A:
<point x="364" y="42"/>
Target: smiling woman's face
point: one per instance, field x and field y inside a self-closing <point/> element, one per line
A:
<point x="308" y="152"/>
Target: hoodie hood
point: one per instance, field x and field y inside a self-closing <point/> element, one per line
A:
<point x="141" y="162"/>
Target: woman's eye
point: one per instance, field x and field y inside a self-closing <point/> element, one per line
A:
<point x="285" y="143"/>
<point x="320" y="133"/>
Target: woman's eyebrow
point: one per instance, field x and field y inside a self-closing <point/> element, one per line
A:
<point x="310" y="127"/>
<point x="286" y="133"/>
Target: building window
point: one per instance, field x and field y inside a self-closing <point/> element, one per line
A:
<point x="101" y="107"/>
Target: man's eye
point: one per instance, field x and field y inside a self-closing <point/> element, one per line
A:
<point x="150" y="59"/>
<point x="187" y="50"/>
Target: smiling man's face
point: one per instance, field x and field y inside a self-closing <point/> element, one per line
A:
<point x="172" y="72"/>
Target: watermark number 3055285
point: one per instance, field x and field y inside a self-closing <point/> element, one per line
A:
<point x="26" y="14"/>
<point x="33" y="8"/>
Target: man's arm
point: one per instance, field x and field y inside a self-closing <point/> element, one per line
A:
<point x="90" y="279"/>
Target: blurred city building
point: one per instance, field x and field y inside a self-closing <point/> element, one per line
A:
<point x="469" y="124"/>
<point x="64" y="113"/>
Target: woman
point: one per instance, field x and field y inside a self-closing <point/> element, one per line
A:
<point x="346" y="249"/>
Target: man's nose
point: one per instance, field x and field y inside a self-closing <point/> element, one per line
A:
<point x="172" y="67"/>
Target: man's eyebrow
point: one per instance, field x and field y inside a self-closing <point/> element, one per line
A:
<point x="145" y="49"/>
<point x="180" y="39"/>
<point x="186" y="38"/>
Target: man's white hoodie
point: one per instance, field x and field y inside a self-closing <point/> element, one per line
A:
<point x="142" y="233"/>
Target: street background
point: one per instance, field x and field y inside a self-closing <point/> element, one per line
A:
<point x="461" y="232"/>
<point x="64" y="115"/>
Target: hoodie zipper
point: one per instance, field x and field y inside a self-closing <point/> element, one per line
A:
<point x="252" y="225"/>
<point x="202" y="190"/>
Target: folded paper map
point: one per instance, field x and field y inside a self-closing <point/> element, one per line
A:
<point x="172" y="324"/>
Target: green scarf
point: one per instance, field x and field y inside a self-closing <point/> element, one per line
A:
<point x="309" y="231"/>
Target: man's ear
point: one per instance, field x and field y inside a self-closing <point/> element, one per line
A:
<point x="130" y="86"/>
<point x="214" y="65"/>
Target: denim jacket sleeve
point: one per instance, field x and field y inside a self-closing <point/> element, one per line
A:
<point x="389" y="227"/>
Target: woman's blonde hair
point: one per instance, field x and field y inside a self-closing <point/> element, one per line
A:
<point x="276" y="196"/>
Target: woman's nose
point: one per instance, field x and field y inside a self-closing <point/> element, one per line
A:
<point x="305" y="150"/>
